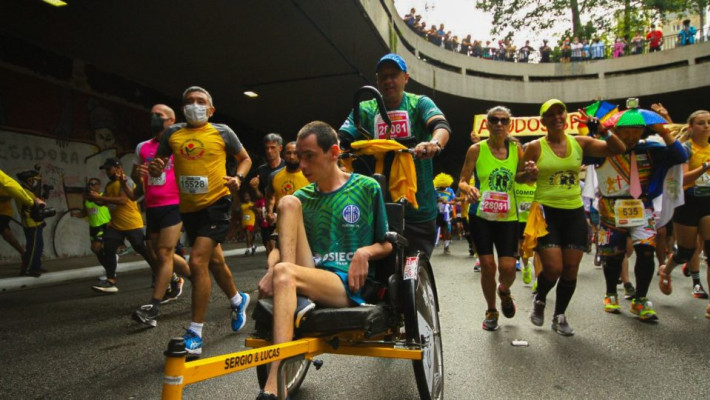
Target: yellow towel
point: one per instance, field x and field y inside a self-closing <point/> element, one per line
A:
<point x="402" y="177"/>
<point x="536" y="227"/>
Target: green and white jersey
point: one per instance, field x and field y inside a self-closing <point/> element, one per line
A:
<point x="342" y="221"/>
<point x="409" y="119"/>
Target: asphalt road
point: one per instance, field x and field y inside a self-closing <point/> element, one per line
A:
<point x="67" y="342"/>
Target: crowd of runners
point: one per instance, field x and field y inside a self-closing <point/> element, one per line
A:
<point x="648" y="180"/>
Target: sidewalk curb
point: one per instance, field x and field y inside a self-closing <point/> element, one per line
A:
<point x="51" y="278"/>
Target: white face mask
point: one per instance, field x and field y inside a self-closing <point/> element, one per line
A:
<point x="196" y="114"/>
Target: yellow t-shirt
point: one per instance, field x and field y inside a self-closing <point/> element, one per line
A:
<point x="200" y="156"/>
<point x="248" y="216"/>
<point x="5" y="203"/>
<point x="698" y="155"/>
<point x="284" y="182"/>
<point x="124" y="217"/>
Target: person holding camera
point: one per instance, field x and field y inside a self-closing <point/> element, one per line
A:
<point x="33" y="225"/>
<point x="126" y="221"/>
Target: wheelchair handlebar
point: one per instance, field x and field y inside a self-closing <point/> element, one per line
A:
<point x="380" y="106"/>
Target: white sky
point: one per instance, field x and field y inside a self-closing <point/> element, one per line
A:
<point x="462" y="18"/>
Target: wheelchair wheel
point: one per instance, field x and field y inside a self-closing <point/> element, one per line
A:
<point x="295" y="374"/>
<point x="422" y="326"/>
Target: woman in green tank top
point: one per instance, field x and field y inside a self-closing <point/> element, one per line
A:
<point x="554" y="162"/>
<point x="494" y="162"/>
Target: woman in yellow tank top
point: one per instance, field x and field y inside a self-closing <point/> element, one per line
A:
<point x="554" y="162"/>
<point x="693" y="217"/>
<point x="495" y="222"/>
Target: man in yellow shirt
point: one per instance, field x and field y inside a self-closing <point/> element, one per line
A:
<point x="34" y="241"/>
<point x="200" y="152"/>
<point x="6" y="213"/>
<point x="284" y="181"/>
<point x="126" y="221"/>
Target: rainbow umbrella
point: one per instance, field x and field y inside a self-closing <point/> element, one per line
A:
<point x="601" y="110"/>
<point x="634" y="117"/>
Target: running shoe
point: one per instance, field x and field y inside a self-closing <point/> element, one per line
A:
<point x="253" y="250"/>
<point x="629" y="291"/>
<point x="686" y="270"/>
<point x="266" y="396"/>
<point x="491" y="321"/>
<point x="644" y="309"/>
<point x="664" y="283"/>
<point x="471" y="253"/>
<point x="561" y="325"/>
<point x="174" y="290"/>
<point x="246" y="252"/>
<point x="537" y="315"/>
<point x="527" y="273"/>
<point x="477" y="266"/>
<point x="517" y="265"/>
<point x="534" y="287"/>
<point x="193" y="344"/>
<point x="611" y="303"/>
<point x="239" y="313"/>
<point x="105" y="287"/>
<point x="147" y="314"/>
<point x="699" y="292"/>
<point x="507" y="304"/>
<point x="597" y="260"/>
<point x="303" y="306"/>
<point x="447" y="250"/>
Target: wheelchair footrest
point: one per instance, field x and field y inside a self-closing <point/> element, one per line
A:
<point x="373" y="320"/>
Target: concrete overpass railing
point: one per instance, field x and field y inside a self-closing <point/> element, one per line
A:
<point x="442" y="70"/>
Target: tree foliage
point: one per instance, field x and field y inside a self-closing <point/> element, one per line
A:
<point x="585" y="17"/>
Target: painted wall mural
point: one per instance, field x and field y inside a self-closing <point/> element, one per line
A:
<point x="68" y="133"/>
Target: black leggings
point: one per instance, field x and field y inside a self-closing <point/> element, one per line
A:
<point x="113" y="238"/>
<point x="643" y="270"/>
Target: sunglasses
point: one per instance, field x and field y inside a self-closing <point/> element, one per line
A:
<point x="496" y="120"/>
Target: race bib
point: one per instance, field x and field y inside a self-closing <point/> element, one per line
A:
<point x="246" y="217"/>
<point x="401" y="127"/>
<point x="157" y="180"/>
<point x="702" y="186"/>
<point x="495" y="206"/>
<point x="629" y="213"/>
<point x="193" y="184"/>
<point x="524" y="207"/>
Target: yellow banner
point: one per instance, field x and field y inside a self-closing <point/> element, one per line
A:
<point x="526" y="126"/>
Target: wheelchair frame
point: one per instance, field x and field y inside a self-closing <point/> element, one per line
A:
<point x="413" y="331"/>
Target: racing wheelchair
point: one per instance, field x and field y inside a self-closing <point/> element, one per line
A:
<point x="403" y="322"/>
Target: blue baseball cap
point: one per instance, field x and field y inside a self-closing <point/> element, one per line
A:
<point x="391" y="57"/>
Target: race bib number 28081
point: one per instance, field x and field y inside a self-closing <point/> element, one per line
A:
<point x="401" y="127"/>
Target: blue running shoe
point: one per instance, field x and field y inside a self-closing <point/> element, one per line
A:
<point x="193" y="344"/>
<point x="517" y="265"/>
<point x="239" y="314"/>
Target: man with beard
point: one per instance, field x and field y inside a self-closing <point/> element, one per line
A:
<point x="284" y="181"/>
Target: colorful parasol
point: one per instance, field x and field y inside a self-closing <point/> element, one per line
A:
<point x="601" y="110"/>
<point x="634" y="117"/>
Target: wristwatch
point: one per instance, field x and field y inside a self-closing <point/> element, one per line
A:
<point x="240" y="176"/>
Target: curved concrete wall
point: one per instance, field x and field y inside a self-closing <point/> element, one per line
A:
<point x="648" y="74"/>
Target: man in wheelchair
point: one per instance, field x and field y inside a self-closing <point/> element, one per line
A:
<point x="329" y="231"/>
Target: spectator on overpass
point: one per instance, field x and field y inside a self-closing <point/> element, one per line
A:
<point x="686" y="35"/>
<point x="655" y="39"/>
<point x="597" y="49"/>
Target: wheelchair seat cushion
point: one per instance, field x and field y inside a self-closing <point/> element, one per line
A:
<point x="373" y="319"/>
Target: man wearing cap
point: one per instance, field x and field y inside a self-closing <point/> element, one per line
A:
<point x="126" y="221"/>
<point x="554" y="162"/>
<point x="413" y="116"/>
<point x="201" y="150"/>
